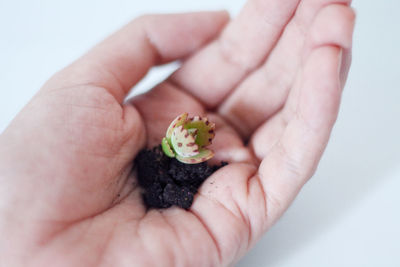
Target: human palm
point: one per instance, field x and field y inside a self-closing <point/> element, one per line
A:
<point x="271" y="81"/>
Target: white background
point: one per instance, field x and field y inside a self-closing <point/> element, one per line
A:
<point x="348" y="214"/>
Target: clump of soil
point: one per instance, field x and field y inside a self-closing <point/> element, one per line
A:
<point x="168" y="182"/>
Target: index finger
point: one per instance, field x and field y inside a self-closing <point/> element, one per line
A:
<point x="123" y="59"/>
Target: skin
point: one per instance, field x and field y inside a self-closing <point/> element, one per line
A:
<point x="271" y="79"/>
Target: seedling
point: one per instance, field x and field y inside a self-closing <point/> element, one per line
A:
<point x="186" y="139"/>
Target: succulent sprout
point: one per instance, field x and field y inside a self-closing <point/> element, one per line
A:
<point x="186" y="139"/>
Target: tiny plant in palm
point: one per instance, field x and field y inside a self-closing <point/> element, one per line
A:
<point x="186" y="139"/>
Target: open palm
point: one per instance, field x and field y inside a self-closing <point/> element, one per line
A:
<point x="271" y="80"/>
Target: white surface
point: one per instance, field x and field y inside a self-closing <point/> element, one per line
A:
<point x="348" y="214"/>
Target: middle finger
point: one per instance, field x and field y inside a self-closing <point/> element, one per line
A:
<point x="264" y="92"/>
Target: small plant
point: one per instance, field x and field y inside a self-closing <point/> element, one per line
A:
<point x="186" y="139"/>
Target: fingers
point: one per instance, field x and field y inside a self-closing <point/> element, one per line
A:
<point x="124" y="58"/>
<point x="292" y="161"/>
<point x="340" y="34"/>
<point x="313" y="106"/>
<point x="211" y="74"/>
<point x="291" y="143"/>
<point x="333" y="26"/>
<point x="263" y="93"/>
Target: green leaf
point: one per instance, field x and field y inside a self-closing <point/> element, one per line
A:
<point x="166" y="148"/>
<point x="205" y="130"/>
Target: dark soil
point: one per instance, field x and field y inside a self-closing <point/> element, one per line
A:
<point x="168" y="182"/>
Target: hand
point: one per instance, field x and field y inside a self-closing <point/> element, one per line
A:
<point x="272" y="79"/>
